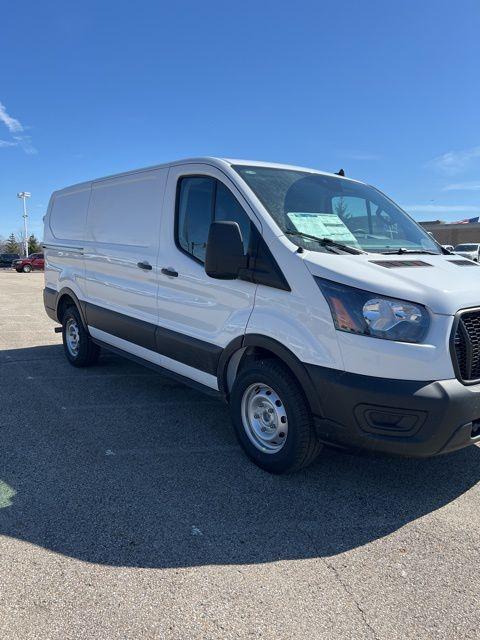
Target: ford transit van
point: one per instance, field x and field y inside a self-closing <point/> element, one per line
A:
<point x="310" y="302"/>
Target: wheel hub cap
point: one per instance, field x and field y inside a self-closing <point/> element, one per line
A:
<point x="72" y="337"/>
<point x="264" y="418"/>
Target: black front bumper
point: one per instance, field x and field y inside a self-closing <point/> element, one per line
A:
<point x="400" y="417"/>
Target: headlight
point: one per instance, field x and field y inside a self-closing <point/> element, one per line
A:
<point x="368" y="314"/>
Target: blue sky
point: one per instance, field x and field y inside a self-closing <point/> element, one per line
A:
<point x="388" y="91"/>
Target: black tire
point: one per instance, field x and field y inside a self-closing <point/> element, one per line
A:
<point x="26" y="268"/>
<point x="301" y="445"/>
<point x="87" y="352"/>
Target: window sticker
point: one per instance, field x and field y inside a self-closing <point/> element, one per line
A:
<point x="322" y="225"/>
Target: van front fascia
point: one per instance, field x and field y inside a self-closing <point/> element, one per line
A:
<point x="400" y="417"/>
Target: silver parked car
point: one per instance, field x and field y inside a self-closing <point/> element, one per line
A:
<point x="469" y="250"/>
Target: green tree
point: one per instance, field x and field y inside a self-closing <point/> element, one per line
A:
<point x="33" y="245"/>
<point x="11" y="245"/>
<point x="341" y="208"/>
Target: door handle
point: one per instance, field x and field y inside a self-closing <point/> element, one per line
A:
<point x="144" y="265"/>
<point x="169" y="272"/>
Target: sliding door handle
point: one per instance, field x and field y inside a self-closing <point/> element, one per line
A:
<point x="144" y="265"/>
<point x="167" y="271"/>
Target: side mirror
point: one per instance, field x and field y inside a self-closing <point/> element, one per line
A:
<point x="224" y="257"/>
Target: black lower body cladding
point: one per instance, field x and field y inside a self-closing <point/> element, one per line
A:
<point x="403" y="417"/>
<point x="172" y="344"/>
<point x="50" y="302"/>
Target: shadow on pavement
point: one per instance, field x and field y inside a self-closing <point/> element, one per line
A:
<point x="118" y="465"/>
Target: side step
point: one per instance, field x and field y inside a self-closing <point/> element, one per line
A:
<point x="58" y="329"/>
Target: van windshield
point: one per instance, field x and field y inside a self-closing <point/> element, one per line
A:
<point x="307" y="206"/>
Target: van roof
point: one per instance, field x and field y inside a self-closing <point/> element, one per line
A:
<point x="211" y="160"/>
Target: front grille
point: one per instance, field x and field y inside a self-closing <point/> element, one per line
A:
<point x="466" y="345"/>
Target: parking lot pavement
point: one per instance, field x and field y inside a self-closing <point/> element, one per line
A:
<point x="127" y="510"/>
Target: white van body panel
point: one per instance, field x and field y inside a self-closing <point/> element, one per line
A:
<point x="299" y="319"/>
<point x="122" y="230"/>
<point x="64" y="235"/>
<point x="192" y="303"/>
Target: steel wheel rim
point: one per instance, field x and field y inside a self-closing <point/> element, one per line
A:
<point x="264" y="418"/>
<point x="72" y="337"/>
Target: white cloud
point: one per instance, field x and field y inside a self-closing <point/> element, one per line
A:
<point x="462" y="186"/>
<point x="12" y="124"/>
<point x="7" y="143"/>
<point x="17" y="129"/>
<point x="440" y="208"/>
<point x="26" y="143"/>
<point x="454" y="161"/>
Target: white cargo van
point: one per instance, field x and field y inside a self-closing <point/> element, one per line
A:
<point x="310" y="302"/>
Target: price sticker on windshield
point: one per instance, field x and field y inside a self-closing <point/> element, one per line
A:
<point x="322" y="225"/>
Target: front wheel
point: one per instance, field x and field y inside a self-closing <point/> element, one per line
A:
<point x="79" y="348"/>
<point x="272" y="419"/>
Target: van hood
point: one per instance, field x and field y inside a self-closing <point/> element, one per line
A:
<point x="443" y="283"/>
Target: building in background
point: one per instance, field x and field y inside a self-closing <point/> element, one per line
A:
<point x="454" y="232"/>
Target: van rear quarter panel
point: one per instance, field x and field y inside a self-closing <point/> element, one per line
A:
<point x="64" y="235"/>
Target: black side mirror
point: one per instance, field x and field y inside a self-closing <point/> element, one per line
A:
<point x="224" y="257"/>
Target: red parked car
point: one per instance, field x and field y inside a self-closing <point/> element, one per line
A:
<point x="33" y="262"/>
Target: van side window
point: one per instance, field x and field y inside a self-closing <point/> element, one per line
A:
<point x="195" y="213"/>
<point x="200" y="201"/>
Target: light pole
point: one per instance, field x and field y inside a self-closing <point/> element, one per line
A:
<point x="23" y="195"/>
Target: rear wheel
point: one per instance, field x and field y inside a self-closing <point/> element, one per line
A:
<point x="272" y="419"/>
<point x="26" y="268"/>
<point x="79" y="348"/>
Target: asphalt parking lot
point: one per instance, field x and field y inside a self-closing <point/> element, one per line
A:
<point x="128" y="511"/>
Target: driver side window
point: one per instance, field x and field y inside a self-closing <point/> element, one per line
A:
<point x="200" y="201"/>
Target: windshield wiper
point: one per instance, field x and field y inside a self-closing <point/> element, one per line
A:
<point x="401" y="250"/>
<point x="325" y="242"/>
